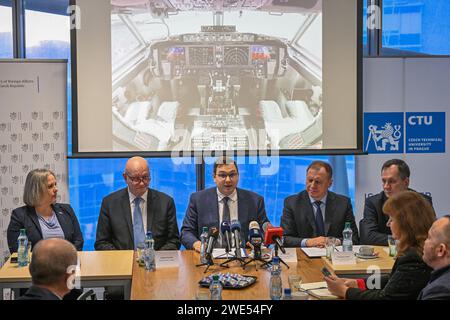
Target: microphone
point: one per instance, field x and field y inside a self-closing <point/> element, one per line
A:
<point x="226" y="232"/>
<point x="213" y="234"/>
<point x="273" y="235"/>
<point x="255" y="238"/>
<point x="236" y="230"/>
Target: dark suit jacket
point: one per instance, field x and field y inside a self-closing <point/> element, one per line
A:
<point x="203" y="211"/>
<point x="298" y="219"/>
<point x="38" y="293"/>
<point x="115" y="227"/>
<point x="372" y="227"/>
<point x="439" y="286"/>
<point x="408" y="277"/>
<point x="26" y="218"/>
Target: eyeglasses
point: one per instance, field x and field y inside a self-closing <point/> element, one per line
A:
<point x="223" y="176"/>
<point x="144" y="179"/>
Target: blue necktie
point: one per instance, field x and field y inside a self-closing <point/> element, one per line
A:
<point x="138" y="225"/>
<point x="225" y="217"/>
<point x="320" y="228"/>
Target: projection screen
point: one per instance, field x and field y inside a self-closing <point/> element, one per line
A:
<point x="170" y="76"/>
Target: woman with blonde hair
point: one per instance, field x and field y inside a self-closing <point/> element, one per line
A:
<point x="42" y="217"/>
<point x="410" y="218"/>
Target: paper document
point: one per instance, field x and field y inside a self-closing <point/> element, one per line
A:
<point x="318" y="290"/>
<point x="314" y="252"/>
<point x="289" y="256"/>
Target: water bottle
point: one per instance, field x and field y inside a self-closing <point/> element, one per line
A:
<point x="215" y="288"/>
<point x="347" y="242"/>
<point x="149" y="252"/>
<point x="287" y="294"/>
<point x="276" y="285"/>
<point x="22" y="249"/>
<point x="203" y="239"/>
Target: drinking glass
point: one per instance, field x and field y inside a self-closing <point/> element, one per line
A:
<point x="330" y="245"/>
<point x="140" y="253"/>
<point x="295" y="281"/>
<point x="392" y="246"/>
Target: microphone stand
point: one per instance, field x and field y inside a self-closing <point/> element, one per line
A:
<point x="209" y="262"/>
<point x="268" y="263"/>
<point x="234" y="258"/>
<point x="254" y="259"/>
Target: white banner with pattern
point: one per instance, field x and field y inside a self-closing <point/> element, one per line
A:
<point x="33" y="130"/>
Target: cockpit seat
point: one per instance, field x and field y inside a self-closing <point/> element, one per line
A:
<point x="297" y="118"/>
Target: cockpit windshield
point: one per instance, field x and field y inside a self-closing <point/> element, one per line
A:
<point x="216" y="75"/>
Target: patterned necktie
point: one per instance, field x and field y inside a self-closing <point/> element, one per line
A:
<point x="138" y="224"/>
<point x="226" y="210"/>
<point x="320" y="228"/>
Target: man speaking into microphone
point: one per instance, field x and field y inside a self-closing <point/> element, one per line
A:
<point x="225" y="202"/>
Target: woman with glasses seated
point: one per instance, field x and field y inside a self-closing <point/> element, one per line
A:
<point x="42" y="217"/>
<point x="410" y="218"/>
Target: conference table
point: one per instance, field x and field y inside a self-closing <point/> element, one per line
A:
<point x="364" y="267"/>
<point x="119" y="268"/>
<point x="97" y="269"/>
<point x="182" y="283"/>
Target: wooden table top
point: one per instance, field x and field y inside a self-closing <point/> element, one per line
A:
<point x="384" y="262"/>
<point x="182" y="283"/>
<point x="94" y="265"/>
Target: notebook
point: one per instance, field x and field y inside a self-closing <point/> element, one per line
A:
<point x="318" y="290"/>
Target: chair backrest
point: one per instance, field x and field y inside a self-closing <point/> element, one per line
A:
<point x="270" y="110"/>
<point x="88" y="295"/>
<point x="168" y="110"/>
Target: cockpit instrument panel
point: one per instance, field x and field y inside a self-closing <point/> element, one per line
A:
<point x="233" y="53"/>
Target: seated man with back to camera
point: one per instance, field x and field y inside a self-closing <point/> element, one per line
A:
<point x="52" y="264"/>
<point x="225" y="202"/>
<point x="436" y="254"/>
<point x="303" y="221"/>
<point x="373" y="226"/>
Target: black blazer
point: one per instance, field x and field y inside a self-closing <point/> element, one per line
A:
<point x="203" y="211"/>
<point x="115" y="227"/>
<point x="38" y="293"/>
<point x="298" y="219"/>
<point x="372" y="227"/>
<point x="408" y="277"/>
<point x="26" y="218"/>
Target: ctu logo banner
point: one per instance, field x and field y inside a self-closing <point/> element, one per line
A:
<point x="387" y="132"/>
<point x="383" y="132"/>
<point x="425" y="132"/>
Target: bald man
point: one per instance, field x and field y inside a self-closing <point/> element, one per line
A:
<point x="52" y="264"/>
<point x="436" y="254"/>
<point x="126" y="215"/>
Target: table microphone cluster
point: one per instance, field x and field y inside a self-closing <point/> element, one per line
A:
<point x="231" y="237"/>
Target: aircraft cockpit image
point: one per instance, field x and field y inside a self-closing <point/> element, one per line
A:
<point x="193" y="75"/>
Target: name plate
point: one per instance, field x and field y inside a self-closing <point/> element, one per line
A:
<point x="343" y="258"/>
<point x="167" y="259"/>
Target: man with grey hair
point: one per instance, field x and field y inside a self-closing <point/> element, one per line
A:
<point x="52" y="266"/>
<point x="127" y="214"/>
<point x="436" y="254"/>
